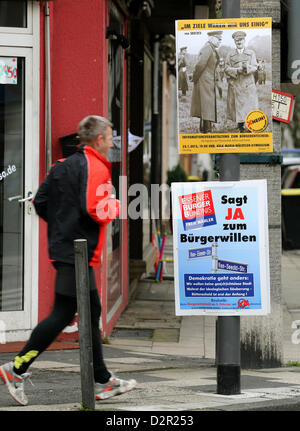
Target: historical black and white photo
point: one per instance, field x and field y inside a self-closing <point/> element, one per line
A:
<point x="229" y="75"/>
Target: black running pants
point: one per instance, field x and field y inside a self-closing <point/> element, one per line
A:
<point x="47" y="330"/>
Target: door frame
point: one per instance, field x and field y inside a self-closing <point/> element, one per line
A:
<point x="18" y="324"/>
<point x="110" y="314"/>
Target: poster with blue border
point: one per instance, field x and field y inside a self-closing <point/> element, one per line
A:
<point x="221" y="248"/>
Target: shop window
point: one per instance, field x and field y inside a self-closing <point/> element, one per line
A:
<point x="147" y="148"/>
<point x="115" y="109"/>
<point x="13" y="13"/>
<point x="12" y="101"/>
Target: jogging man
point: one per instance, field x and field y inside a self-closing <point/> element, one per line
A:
<point x="75" y="200"/>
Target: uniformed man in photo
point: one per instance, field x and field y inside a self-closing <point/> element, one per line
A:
<point x="203" y="103"/>
<point x="240" y="68"/>
<point x="182" y="73"/>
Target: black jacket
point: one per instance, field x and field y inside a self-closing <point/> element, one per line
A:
<point x="69" y="200"/>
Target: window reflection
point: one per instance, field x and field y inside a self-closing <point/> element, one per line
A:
<point x="13" y="13"/>
<point x="11" y="185"/>
<point x="115" y="73"/>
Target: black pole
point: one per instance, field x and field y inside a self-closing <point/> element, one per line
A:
<point x="84" y="323"/>
<point x="228" y="327"/>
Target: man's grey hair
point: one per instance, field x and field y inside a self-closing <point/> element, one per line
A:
<point x="92" y="126"/>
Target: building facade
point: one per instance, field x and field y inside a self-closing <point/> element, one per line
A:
<point x="58" y="64"/>
<point x="61" y="60"/>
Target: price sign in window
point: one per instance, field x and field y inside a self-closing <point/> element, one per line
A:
<point x="282" y="106"/>
<point x="8" y="70"/>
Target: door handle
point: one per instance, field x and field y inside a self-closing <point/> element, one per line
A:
<point x="29" y="198"/>
<point x="13" y="198"/>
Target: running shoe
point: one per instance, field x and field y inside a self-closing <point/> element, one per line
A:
<point x="14" y="382"/>
<point x="114" y="386"/>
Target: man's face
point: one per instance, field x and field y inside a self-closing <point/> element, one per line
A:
<point x="104" y="144"/>
<point x="240" y="43"/>
<point x="216" y="41"/>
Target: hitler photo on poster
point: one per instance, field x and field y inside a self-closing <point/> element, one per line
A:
<point x="224" y="85"/>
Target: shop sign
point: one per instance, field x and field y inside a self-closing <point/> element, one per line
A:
<point x="233" y="279"/>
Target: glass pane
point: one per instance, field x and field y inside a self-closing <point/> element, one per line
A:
<point x="13" y="13"/>
<point x="114" y="255"/>
<point x="11" y="186"/>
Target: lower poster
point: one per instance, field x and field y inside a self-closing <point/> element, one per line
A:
<point x="221" y="249"/>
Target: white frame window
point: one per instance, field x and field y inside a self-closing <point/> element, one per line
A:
<point x="109" y="252"/>
<point x="25" y="42"/>
<point x="23" y="36"/>
<point x="24" y="30"/>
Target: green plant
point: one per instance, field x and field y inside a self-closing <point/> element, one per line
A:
<point x="85" y="409"/>
<point x="176" y="175"/>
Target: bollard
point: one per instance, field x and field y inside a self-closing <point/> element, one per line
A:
<point x="84" y="323"/>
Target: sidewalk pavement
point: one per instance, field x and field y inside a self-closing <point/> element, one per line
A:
<point x="172" y="358"/>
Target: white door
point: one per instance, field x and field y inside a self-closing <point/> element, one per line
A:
<point x="18" y="179"/>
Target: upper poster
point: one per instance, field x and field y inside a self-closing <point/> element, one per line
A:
<point x="224" y="85"/>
